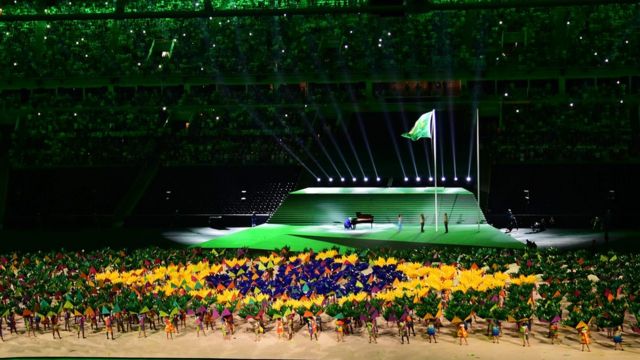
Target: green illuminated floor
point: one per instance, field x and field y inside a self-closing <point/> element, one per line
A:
<point x="319" y="237"/>
<point x="312" y="218"/>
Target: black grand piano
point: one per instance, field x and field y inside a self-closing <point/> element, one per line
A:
<point x="361" y="219"/>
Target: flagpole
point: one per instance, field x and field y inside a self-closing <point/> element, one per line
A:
<point x="478" y="161"/>
<point x="435" y="164"/>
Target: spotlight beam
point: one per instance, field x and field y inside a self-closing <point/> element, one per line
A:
<point x="354" y="101"/>
<point x="452" y="132"/>
<point x="280" y="142"/>
<point x="316" y="137"/>
<point x="315" y="161"/>
<point x="366" y="142"/>
<point x="335" y="145"/>
<point x="395" y="144"/>
<point x="472" y="142"/>
<point x="353" y="149"/>
<point x="338" y="113"/>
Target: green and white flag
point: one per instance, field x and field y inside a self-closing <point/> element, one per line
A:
<point x="422" y="128"/>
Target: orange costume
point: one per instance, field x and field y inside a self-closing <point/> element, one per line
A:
<point x="462" y="332"/>
<point x="168" y="326"/>
<point x="584" y="336"/>
<point x="279" y="328"/>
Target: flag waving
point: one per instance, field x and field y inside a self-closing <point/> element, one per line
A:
<point x="422" y="127"/>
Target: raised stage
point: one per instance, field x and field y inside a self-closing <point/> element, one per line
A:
<point x="312" y="218"/>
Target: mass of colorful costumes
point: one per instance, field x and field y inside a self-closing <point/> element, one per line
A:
<point x="435" y="290"/>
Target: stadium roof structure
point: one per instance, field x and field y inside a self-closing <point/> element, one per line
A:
<point x="392" y="8"/>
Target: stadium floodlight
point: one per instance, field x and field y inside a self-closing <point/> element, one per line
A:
<point x="570" y="104"/>
<point x="443" y="179"/>
<point x="406" y="179"/>
<point x="468" y="179"/>
<point x="455" y="178"/>
<point x="318" y="179"/>
<point x="365" y="179"/>
<point x="330" y="179"/>
<point x="431" y="178"/>
<point x="621" y="101"/>
<point x="506" y="94"/>
<point x="342" y="179"/>
<point x="378" y="179"/>
<point x="418" y="178"/>
<point x="353" y="179"/>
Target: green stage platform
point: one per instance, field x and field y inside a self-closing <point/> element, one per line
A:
<point x="327" y="205"/>
<point x="312" y="219"/>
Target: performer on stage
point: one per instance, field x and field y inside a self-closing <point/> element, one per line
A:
<point x="446" y="223"/>
<point x="347" y="224"/>
<point x="421" y="223"/>
<point x="399" y="222"/>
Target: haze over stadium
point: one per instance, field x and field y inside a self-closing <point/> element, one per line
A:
<point x="360" y="172"/>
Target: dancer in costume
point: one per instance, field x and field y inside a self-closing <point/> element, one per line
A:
<point x="176" y="322"/>
<point x="495" y="333"/>
<point x="371" y="332"/>
<point x="108" y="326"/>
<point x="55" y="326"/>
<point x="524" y="333"/>
<point x="554" y="334"/>
<point x="290" y="328"/>
<point x="585" y="339"/>
<point x="431" y="332"/>
<point x="11" y="322"/>
<point x="1" y="337"/>
<point x="28" y="322"/>
<point x="462" y="334"/>
<point x="141" y="328"/>
<point x="279" y="328"/>
<point x="319" y="322"/>
<point x="200" y="326"/>
<point x="340" y="330"/>
<point x="67" y="320"/>
<point x="46" y="322"/>
<point x="617" y="338"/>
<point x="120" y="322"/>
<point x="258" y="329"/>
<point x="410" y="327"/>
<point x="404" y="331"/>
<point x="225" y="330"/>
<point x="80" y="326"/>
<point x="168" y="328"/>
<point x="313" y="328"/>
<point x="208" y="320"/>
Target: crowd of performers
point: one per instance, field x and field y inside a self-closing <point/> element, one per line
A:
<point x="285" y="328"/>
<point x="326" y="294"/>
